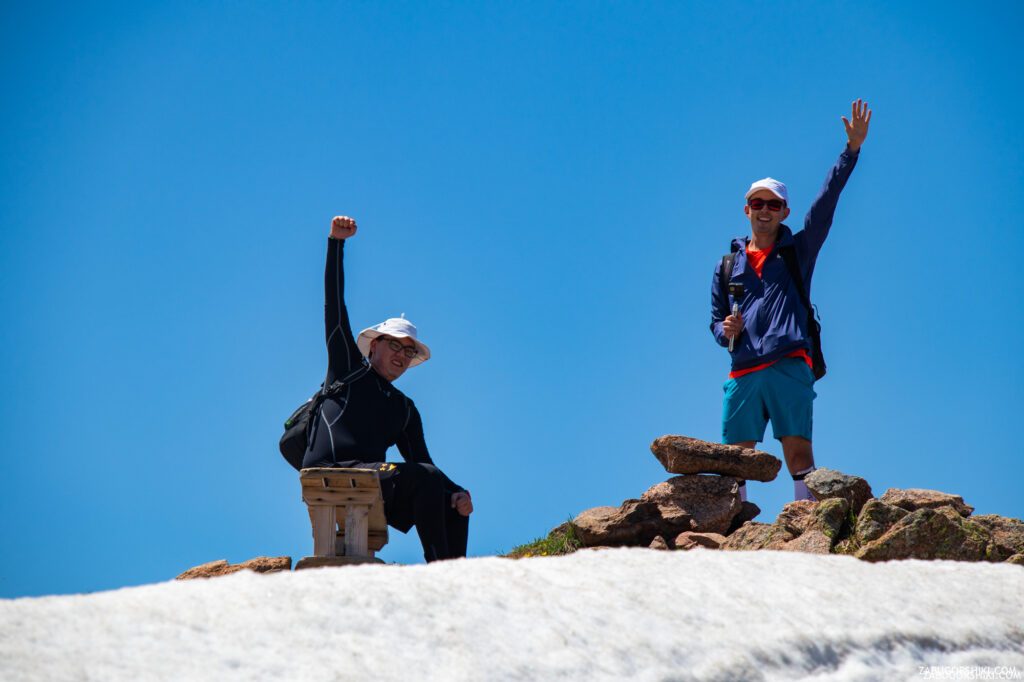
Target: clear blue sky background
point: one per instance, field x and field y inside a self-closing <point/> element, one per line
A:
<point x="544" y="188"/>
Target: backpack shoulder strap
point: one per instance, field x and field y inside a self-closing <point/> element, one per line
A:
<point x="788" y="254"/>
<point x="326" y="391"/>
<point x="725" y="272"/>
<point x="347" y="379"/>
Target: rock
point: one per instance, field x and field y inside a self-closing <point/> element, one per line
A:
<point x="710" y="501"/>
<point x="683" y="455"/>
<point x="821" y="522"/>
<point x="828" y="484"/>
<point x="812" y="541"/>
<point x="658" y="543"/>
<point x="830" y="517"/>
<point x="634" y="523"/>
<point x="876" y="517"/>
<point x="913" y="499"/>
<point x="928" y="534"/>
<point x="1017" y="559"/>
<point x="753" y="535"/>
<point x="691" y="540"/>
<point x="748" y="512"/>
<point x="1007" y="535"/>
<point x="260" y="564"/>
<point x="797" y="516"/>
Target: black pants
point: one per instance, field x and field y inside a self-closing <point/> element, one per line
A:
<point x="421" y="495"/>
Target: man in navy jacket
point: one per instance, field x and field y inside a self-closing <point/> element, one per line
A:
<point x="771" y="376"/>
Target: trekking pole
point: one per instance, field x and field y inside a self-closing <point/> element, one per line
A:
<point x="736" y="290"/>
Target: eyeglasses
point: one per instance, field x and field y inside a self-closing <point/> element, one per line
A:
<point x="774" y="205"/>
<point x="408" y="351"/>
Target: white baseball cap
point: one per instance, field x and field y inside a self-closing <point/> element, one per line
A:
<point x="396" y="327"/>
<point x="772" y="185"/>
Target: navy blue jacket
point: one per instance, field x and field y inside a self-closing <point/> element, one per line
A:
<point x="774" y="317"/>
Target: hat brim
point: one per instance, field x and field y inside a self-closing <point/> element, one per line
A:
<point x="368" y="335"/>
<point x="758" y="189"/>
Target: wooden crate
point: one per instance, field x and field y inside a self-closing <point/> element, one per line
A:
<point x="347" y="514"/>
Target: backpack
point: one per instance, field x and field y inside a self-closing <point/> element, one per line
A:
<point x="788" y="254"/>
<point x="301" y="425"/>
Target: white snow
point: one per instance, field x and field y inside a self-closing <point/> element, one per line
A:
<point x="595" y="615"/>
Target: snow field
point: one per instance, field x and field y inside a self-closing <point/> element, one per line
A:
<point x="594" y="615"/>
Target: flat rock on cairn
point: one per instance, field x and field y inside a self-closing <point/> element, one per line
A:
<point x="684" y="455"/>
<point x="260" y="564"/>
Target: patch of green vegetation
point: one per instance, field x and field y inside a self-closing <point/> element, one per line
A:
<point x="562" y="540"/>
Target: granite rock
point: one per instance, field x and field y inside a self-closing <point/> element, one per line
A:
<point x="260" y="564"/>
<point x="875" y="518"/>
<point x="827" y="484"/>
<point x="633" y="523"/>
<point x="796" y="516"/>
<point x="830" y="517"/>
<point x="913" y="499"/>
<point x="658" y="543"/>
<point x="684" y="455"/>
<point x="928" y="534"/>
<point x="691" y="540"/>
<point x="812" y="541"/>
<point x="710" y="501"/>
<point x="1007" y="535"/>
<point x="753" y="535"/>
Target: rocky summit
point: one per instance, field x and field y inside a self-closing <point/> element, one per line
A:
<point x="699" y="508"/>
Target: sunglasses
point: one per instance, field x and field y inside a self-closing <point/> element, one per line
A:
<point x="774" y="205"/>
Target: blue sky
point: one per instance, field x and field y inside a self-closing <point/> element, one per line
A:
<point x="543" y="188"/>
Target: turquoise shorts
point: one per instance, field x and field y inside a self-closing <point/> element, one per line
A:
<point x="783" y="393"/>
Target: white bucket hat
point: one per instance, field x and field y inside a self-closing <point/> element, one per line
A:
<point x="396" y="327"/>
<point x="772" y="185"/>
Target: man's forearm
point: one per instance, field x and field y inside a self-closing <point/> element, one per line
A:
<point x="819" y="218"/>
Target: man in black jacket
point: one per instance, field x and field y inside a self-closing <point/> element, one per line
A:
<point x="356" y="426"/>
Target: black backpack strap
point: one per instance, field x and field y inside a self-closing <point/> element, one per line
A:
<point x="788" y="254"/>
<point x="318" y="398"/>
<point x="724" y="273"/>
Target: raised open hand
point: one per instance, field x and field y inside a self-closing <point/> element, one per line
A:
<point x="343" y="227"/>
<point x="857" y="129"/>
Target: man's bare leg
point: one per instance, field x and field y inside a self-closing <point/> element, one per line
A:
<point x="799" y="456"/>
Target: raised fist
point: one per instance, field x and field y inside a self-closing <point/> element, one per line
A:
<point x="462" y="503"/>
<point x="343" y="227"/>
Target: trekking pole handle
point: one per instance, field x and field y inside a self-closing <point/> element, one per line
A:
<point x="735" y="310"/>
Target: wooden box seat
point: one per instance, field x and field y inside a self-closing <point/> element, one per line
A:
<point x="347" y="513"/>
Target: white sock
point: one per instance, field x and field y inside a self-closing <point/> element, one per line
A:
<point x="800" y="491"/>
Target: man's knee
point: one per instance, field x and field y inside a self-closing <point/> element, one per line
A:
<point x="421" y="477"/>
<point x="798" y="451"/>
